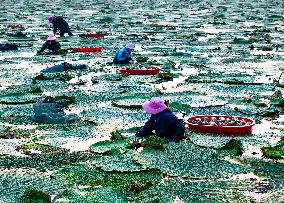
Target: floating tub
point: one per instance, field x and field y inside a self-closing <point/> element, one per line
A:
<point x="152" y="70"/>
<point x="244" y="129"/>
<point x="88" y="49"/>
<point x="16" y="26"/>
<point x="93" y="35"/>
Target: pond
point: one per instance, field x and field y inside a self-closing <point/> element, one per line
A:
<point x="221" y="58"/>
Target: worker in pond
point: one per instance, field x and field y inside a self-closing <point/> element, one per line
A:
<point x="123" y="56"/>
<point x="59" y="24"/>
<point x="51" y="44"/>
<point x="162" y="121"/>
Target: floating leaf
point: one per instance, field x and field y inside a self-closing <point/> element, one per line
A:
<point x="88" y="175"/>
<point x="273" y="152"/>
<point x="208" y="191"/>
<point x="91" y="195"/>
<point x="39" y="147"/>
<point x="35" y="196"/>
<point x="117" y="162"/>
<point x="106" y="146"/>
<point x="187" y="160"/>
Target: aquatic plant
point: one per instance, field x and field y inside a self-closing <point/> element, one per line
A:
<point x="187" y="160"/>
<point x="90" y="195"/>
<point x="177" y="189"/>
<point x="91" y="176"/>
<point x="35" y="196"/>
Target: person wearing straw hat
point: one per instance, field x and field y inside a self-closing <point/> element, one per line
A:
<point x="59" y="24"/>
<point x="123" y="56"/>
<point x="162" y="121"/>
<point x="51" y="44"/>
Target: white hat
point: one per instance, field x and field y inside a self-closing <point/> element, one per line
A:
<point x="130" y="46"/>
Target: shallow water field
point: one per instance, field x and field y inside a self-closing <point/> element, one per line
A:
<point x="216" y="58"/>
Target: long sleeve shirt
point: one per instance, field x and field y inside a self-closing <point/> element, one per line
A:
<point x="165" y="124"/>
<point x="122" y="56"/>
<point x="60" y="24"/>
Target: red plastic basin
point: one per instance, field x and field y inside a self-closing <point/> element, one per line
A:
<point x="88" y="49"/>
<point x="152" y="70"/>
<point x="93" y="35"/>
<point x="16" y="26"/>
<point x="246" y="129"/>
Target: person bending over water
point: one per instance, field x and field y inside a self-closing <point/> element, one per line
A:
<point x="59" y="24"/>
<point x="162" y="121"/>
<point x="123" y="56"/>
<point x="51" y="44"/>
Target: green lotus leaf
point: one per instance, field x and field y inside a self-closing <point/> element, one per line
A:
<point x="66" y="76"/>
<point x="44" y="161"/>
<point x="89" y="175"/>
<point x="273" y="152"/>
<point x="11" y="132"/>
<point x="208" y="140"/>
<point x="167" y="76"/>
<point x="35" y="196"/>
<point x="18" y="111"/>
<point x="208" y="191"/>
<point x="65" y="100"/>
<point x="169" y="64"/>
<point x="176" y="106"/>
<point x="106" y="146"/>
<point x="19" y="99"/>
<point x="272" y="170"/>
<point x="187" y="160"/>
<point x="153" y="142"/>
<point x="21" y="90"/>
<point x="130" y="130"/>
<point x="280" y="143"/>
<point x="27" y="186"/>
<point x="91" y="195"/>
<point x="276" y="196"/>
<point x="40" y="147"/>
<point x="240" y="41"/>
<point x="114" y="77"/>
<point x="277" y="102"/>
<point x="141" y="58"/>
<point x="232" y="148"/>
<point x="117" y="162"/>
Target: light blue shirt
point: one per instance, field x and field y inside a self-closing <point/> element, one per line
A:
<point x="122" y="55"/>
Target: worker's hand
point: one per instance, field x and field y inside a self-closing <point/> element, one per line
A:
<point x="136" y="144"/>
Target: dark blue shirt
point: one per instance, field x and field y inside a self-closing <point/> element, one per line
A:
<point x="60" y="24"/>
<point x="52" y="46"/>
<point x="166" y="125"/>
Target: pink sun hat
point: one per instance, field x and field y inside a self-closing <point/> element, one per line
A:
<point x="154" y="106"/>
<point x="51" y="37"/>
<point x="50" y="19"/>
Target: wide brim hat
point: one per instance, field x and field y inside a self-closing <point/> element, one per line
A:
<point x="51" y="37"/>
<point x="154" y="106"/>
